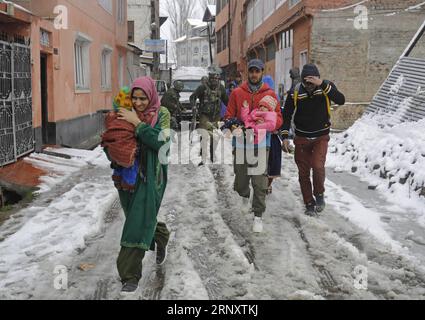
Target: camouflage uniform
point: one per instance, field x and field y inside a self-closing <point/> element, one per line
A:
<point x="211" y="96"/>
<point x="171" y="100"/>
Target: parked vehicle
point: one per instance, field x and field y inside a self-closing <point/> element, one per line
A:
<point x="191" y="78"/>
<point x="161" y="87"/>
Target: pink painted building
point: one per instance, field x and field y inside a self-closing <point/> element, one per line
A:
<point x="79" y="59"/>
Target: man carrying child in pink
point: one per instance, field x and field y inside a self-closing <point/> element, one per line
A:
<point x="262" y="119"/>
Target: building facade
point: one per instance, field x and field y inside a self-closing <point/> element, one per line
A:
<point x="354" y="44"/>
<point x="192" y="49"/>
<point x="139" y="28"/>
<point x="79" y="59"/>
<point x="139" y="22"/>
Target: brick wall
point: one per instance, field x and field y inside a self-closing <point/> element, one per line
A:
<point x="360" y="60"/>
<point x="301" y="38"/>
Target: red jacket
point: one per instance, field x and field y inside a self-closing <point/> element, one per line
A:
<point x="243" y="93"/>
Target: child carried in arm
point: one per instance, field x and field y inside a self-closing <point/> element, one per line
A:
<point x="261" y="120"/>
<point x="119" y="142"/>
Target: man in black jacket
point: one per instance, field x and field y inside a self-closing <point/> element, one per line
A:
<point x="310" y="105"/>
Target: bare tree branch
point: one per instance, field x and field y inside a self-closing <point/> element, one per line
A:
<point x="178" y="12"/>
<point x="205" y="3"/>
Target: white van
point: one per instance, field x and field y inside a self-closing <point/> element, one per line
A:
<point x="161" y="87"/>
<point x="191" y="78"/>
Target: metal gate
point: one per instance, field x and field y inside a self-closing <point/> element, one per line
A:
<point x="16" y="131"/>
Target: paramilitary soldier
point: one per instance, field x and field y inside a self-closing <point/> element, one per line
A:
<point x="211" y="95"/>
<point x="171" y="100"/>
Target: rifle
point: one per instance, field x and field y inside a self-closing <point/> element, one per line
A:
<point x="194" y="121"/>
<point x="194" y="118"/>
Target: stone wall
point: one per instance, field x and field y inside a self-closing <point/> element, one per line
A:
<point x="359" y="61"/>
<point x="344" y="117"/>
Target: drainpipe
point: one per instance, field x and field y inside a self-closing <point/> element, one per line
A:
<point x="310" y="39"/>
<point x="228" y="34"/>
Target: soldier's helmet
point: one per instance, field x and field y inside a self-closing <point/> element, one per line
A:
<point x="214" y="71"/>
<point x="214" y="74"/>
<point x="178" y="85"/>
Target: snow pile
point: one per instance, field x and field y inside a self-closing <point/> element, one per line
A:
<point x="190" y="73"/>
<point x="47" y="234"/>
<point x="59" y="169"/>
<point x="366" y="219"/>
<point x="391" y="159"/>
<point x="54" y="232"/>
<point x="398" y="107"/>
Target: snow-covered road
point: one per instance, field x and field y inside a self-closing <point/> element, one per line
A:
<point x="213" y="253"/>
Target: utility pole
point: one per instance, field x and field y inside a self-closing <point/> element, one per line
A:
<point x="229" y="31"/>
<point x="209" y="20"/>
<point x="156" y="34"/>
<point x="210" y="44"/>
<point x="166" y="54"/>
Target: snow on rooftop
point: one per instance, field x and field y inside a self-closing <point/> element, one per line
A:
<point x="200" y="27"/>
<point x="181" y="39"/>
<point x="197" y="23"/>
<point x="190" y="73"/>
<point x="132" y="44"/>
<point x="198" y="38"/>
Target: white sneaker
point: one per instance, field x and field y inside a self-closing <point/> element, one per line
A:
<point x="258" y="225"/>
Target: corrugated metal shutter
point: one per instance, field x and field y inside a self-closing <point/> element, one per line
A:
<point x="402" y="96"/>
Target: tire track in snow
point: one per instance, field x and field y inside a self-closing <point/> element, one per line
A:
<point x="328" y="259"/>
<point x="227" y="205"/>
<point x="327" y="282"/>
<point x="215" y="256"/>
<point x="390" y="275"/>
<point x="153" y="280"/>
<point x="108" y="288"/>
<point x="249" y="242"/>
<point x="200" y="254"/>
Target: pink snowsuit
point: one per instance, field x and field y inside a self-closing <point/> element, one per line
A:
<point x="261" y="129"/>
